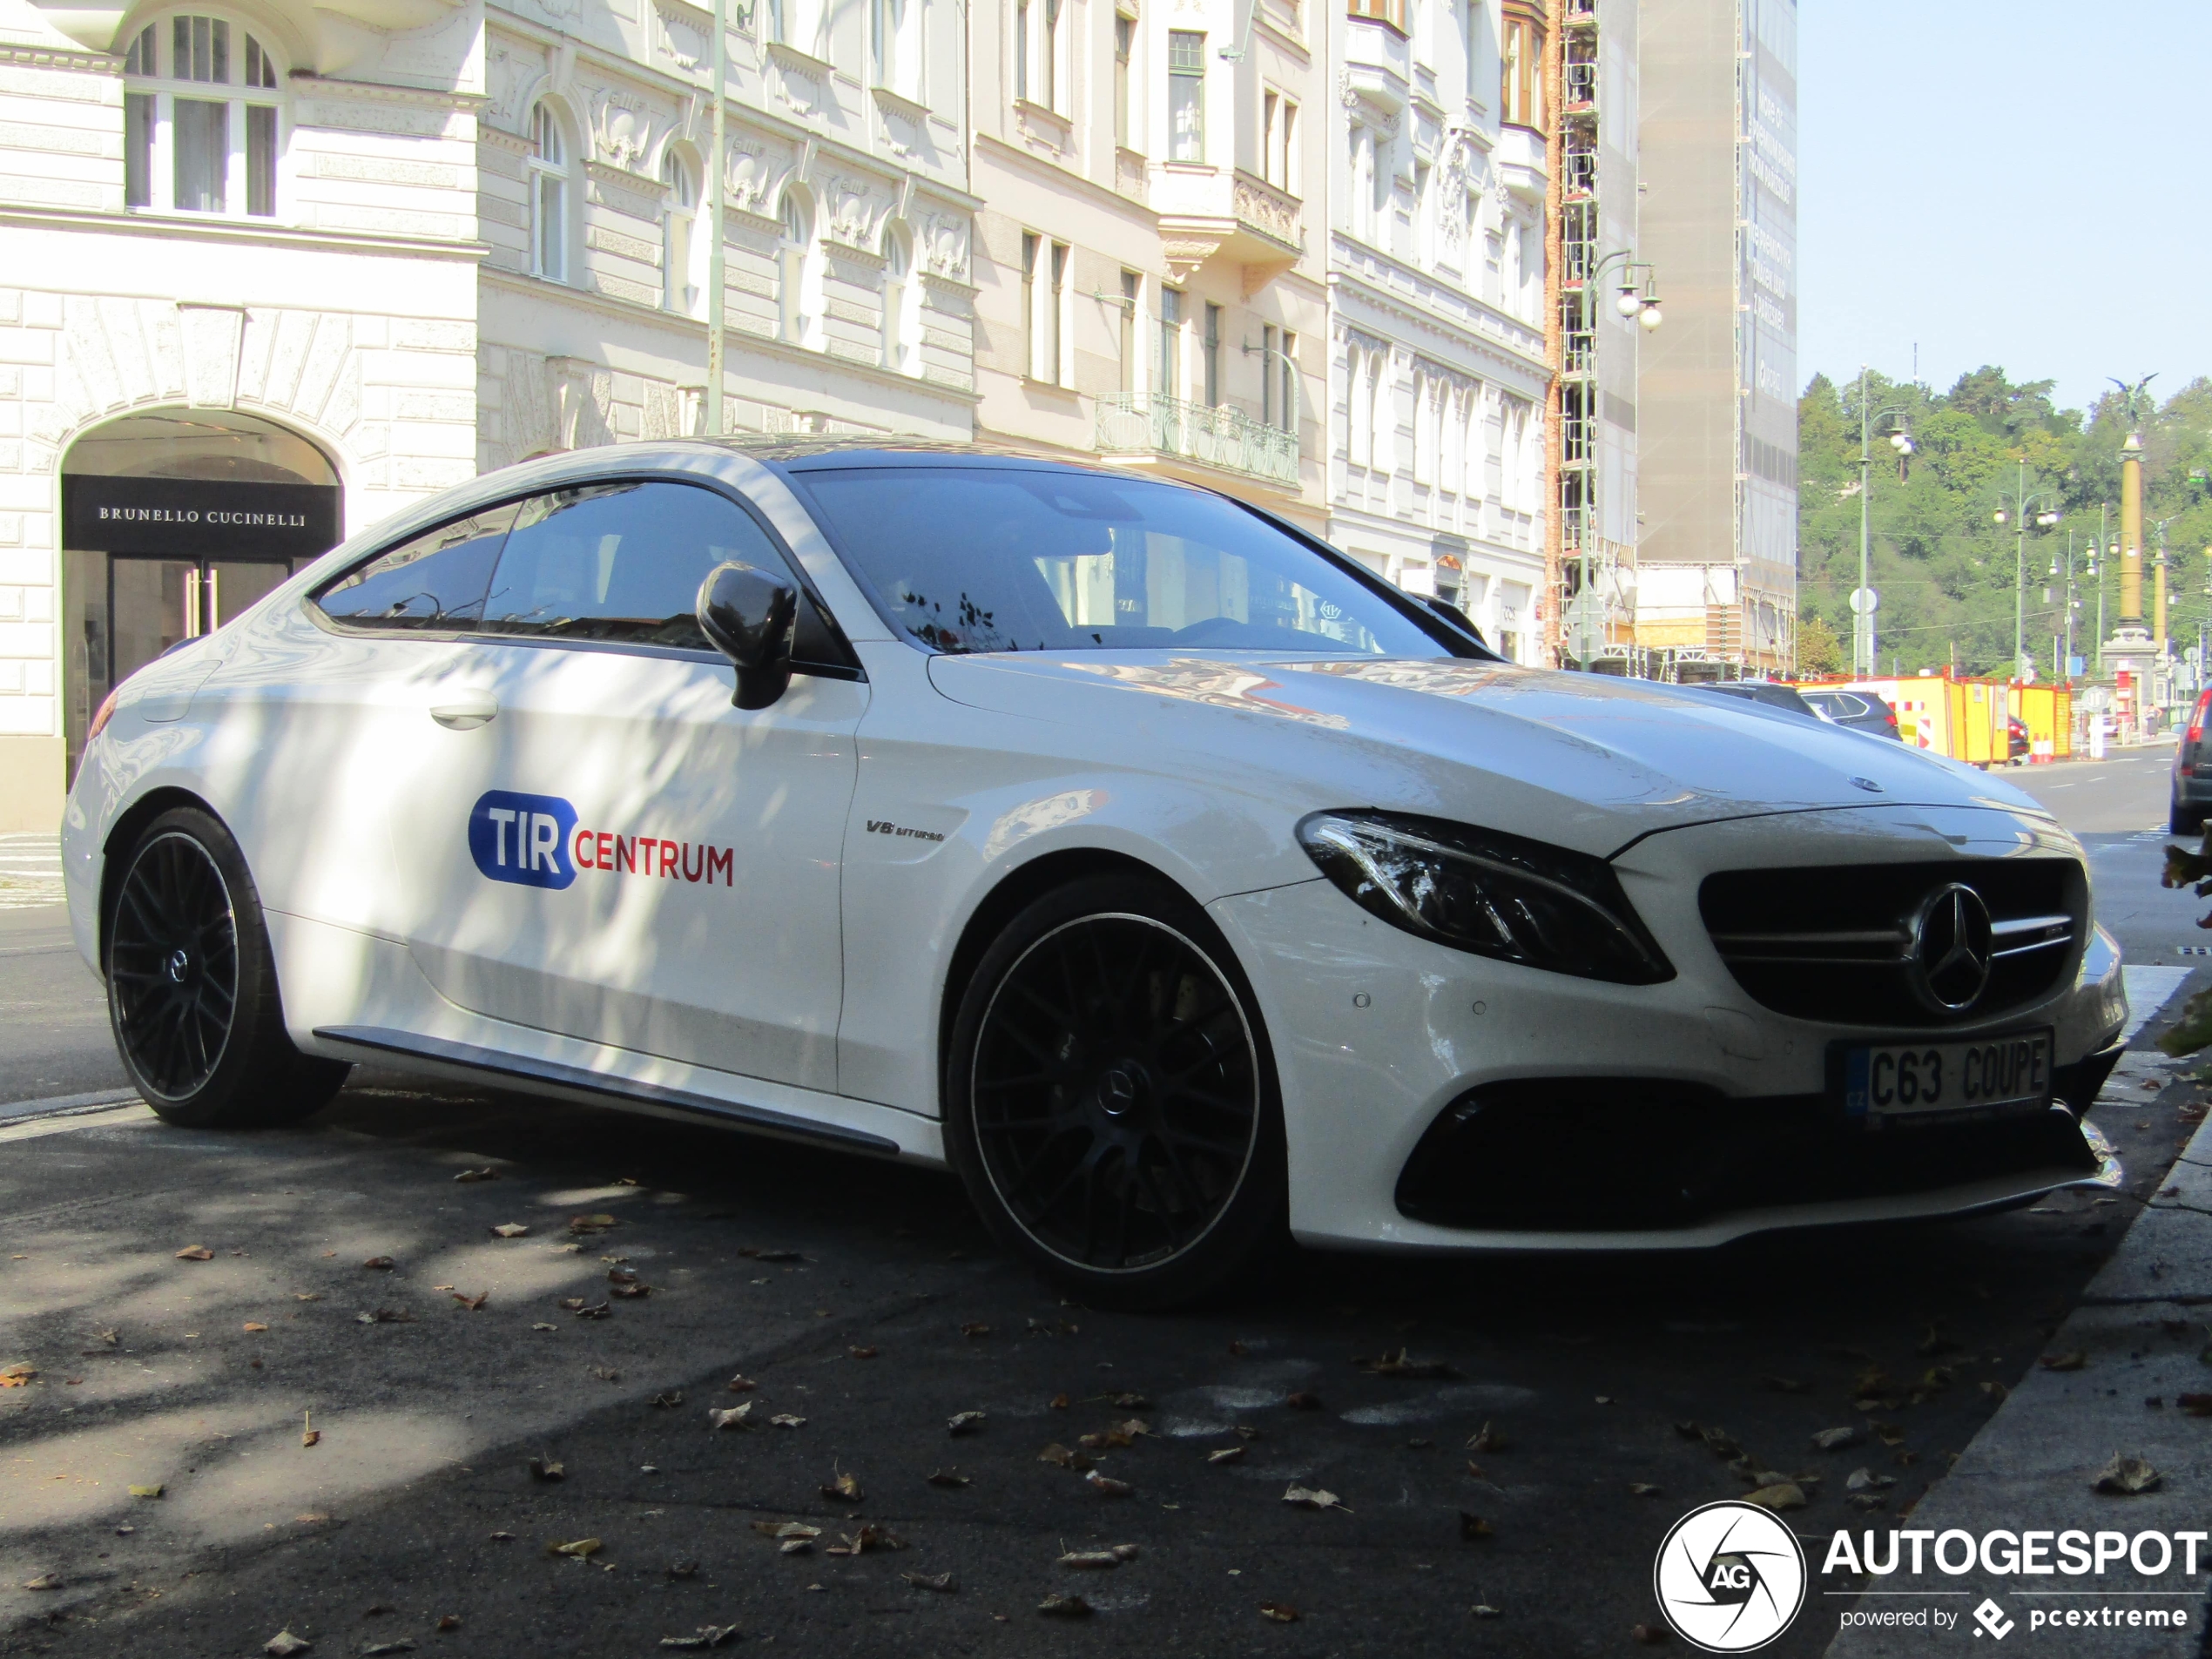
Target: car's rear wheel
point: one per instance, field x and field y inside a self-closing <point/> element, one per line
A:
<point x="1111" y="1101"/>
<point x="2184" y="820"/>
<point x="191" y="986"/>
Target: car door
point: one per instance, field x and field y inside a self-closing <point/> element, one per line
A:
<point x="598" y="844"/>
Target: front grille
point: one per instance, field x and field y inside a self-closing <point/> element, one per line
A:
<point x="1835" y="944"/>
<point x="1651" y="1153"/>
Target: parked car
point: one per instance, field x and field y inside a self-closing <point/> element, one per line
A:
<point x="2192" y="772"/>
<point x="1768" y="693"/>
<point x="1860" y="710"/>
<point x="2016" y="744"/>
<point x="1172" y="878"/>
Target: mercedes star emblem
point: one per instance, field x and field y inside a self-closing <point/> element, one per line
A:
<point x="1949" y="964"/>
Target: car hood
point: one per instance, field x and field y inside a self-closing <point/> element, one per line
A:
<point x="1584" y="760"/>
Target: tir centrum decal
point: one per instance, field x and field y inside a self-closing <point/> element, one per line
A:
<point x="533" y="840"/>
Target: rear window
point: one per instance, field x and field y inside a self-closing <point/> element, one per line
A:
<point x="1005" y="559"/>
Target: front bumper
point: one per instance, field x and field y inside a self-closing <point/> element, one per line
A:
<point x="1691" y="1086"/>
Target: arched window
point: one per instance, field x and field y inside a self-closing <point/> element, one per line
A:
<point x="549" y="188"/>
<point x="679" y="235"/>
<point x="901" y="302"/>
<point x="798" y="269"/>
<point x="201" y="126"/>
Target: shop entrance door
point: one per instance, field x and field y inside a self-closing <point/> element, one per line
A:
<point x="154" y="605"/>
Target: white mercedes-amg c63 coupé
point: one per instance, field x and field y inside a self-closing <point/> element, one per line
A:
<point x="1170" y="876"/>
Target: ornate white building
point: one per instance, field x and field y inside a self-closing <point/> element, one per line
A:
<point x="332" y="257"/>
<point x="1437" y="376"/>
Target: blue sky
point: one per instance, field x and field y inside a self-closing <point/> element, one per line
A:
<point x="2024" y="184"/>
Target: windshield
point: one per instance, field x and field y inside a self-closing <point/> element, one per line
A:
<point x="997" y="559"/>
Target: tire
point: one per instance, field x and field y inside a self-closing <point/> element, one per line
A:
<point x="192" y="989"/>
<point x="1111" y="1100"/>
<point x="2184" y="820"/>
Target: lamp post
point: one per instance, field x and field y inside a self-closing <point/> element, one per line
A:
<point x="1640" y="306"/>
<point x="716" y="172"/>
<point x="2043" y="504"/>
<point x="1862" y="618"/>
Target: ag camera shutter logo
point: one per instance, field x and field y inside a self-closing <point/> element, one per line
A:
<point x="1729" y="1576"/>
<point x="524" y="839"/>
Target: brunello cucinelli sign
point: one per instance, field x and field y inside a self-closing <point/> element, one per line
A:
<point x="196" y="518"/>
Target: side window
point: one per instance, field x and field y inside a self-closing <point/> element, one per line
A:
<point x="436" y="581"/>
<point x="625" y="561"/>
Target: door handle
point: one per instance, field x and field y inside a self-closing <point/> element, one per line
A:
<point x="465" y="712"/>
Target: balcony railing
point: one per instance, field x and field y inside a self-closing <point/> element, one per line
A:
<point x="1130" y="423"/>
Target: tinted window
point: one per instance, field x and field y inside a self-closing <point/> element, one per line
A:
<point x="625" y="561"/>
<point x="990" y="559"/>
<point x="436" y="581"/>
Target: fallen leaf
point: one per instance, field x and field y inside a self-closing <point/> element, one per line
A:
<point x="502" y="1538"/>
<point x="195" y="1253"/>
<point x="466" y="1177"/>
<point x="305" y="1296"/>
<point x="1060" y="1454"/>
<point x="542" y="1326"/>
<point x="707" y="1636"/>
<point x="1889" y="1433"/>
<point x="1486" y="1439"/>
<point x="1651" y="1636"/>
<point x="1239" y="1347"/>
<point x="542" y="1467"/>
<point x="285" y="1645"/>
<point x="448" y="1622"/>
<point x="843" y="1489"/>
<point x="18" y="1375"/>
<point x="742" y="1384"/>
<point x="1226" y="1454"/>
<point x="1788" y="1495"/>
<point x="43" y="1581"/>
<point x="606" y="1373"/>
<point x="1862" y="1479"/>
<point x="1303" y="1402"/>
<point x="964" y="1422"/>
<point x="1483" y="1610"/>
<point x="619" y="1275"/>
<point x="859" y="1543"/>
<point x="1644" y="1489"/>
<point x="1244" y="1431"/>
<point x="380" y="1650"/>
<point x="1058" y="1402"/>
<point x="1129" y="1402"/>
<point x="385" y="1316"/>
<point x="2073" y="1359"/>
<point x="251" y="1324"/>
<point x="311" y="1437"/>
<point x="381" y="1263"/>
<point x="786" y="1419"/>
<point x="1313" y="1498"/>
<point x="670" y="1398"/>
<point x="973" y="1329"/>
<point x="760" y="1255"/>
<point x="1993" y="1390"/>
<point x="597" y="1311"/>
<point x="1106" y="1486"/>
<point x="510" y="1229"/>
<point x="1476" y="1527"/>
<point x="1098" y="1559"/>
<point x="684" y="1569"/>
<point x="1276" y="1612"/>
<point x="857" y="1353"/>
<point x="632" y="1292"/>
<point x="784" y="1530"/>
<point x="1834" y="1440"/>
<point x="2126" y="1476"/>
<point x="733" y="1417"/>
<point x="943" y="1583"/>
<point x="580" y="1549"/>
<point x="147" y="1492"/>
<point x="1865" y="1500"/>
<point x="591" y="1223"/>
<point x="1065" y="1607"/>
<point x="474" y="1303"/>
<point x="947" y="1478"/>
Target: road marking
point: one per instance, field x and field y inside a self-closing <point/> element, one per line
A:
<point x="61" y="1123"/>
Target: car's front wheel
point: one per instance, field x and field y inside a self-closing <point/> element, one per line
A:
<point x="1111" y="1101"/>
<point x="191" y="986"/>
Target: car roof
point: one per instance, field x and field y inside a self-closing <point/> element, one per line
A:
<point x="807" y="454"/>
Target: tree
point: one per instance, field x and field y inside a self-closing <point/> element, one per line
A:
<point x="1818" y="650"/>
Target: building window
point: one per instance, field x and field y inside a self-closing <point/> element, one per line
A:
<point x="1279" y="141"/>
<point x="1168" y="381"/>
<point x="549" y="188"/>
<point x="1126" y="330"/>
<point x="213" y="110"/>
<point x="1210" y="345"/>
<point x="1385" y="11"/>
<point x="898" y="47"/>
<point x="1032" y="243"/>
<point x="1022" y="49"/>
<point x="1278" y="378"/>
<point x="1050" y="63"/>
<point x="1044" y="305"/>
<point x="901" y="302"/>
<point x="678" y="222"/>
<point x="795" y="270"/>
<point x="1055" y="320"/>
<point x="1186" y="95"/>
<point x="1520" y="60"/>
<point x="1125" y="45"/>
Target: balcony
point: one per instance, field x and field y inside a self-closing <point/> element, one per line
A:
<point x="1138" y="423"/>
<point x="1522" y="162"/>
<point x="1205" y="211"/>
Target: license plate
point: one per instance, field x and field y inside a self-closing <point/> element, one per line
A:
<point x="1892" y="1080"/>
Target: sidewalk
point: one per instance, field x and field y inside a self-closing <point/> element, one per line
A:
<point x="2141" y="1324"/>
<point x="30" y="871"/>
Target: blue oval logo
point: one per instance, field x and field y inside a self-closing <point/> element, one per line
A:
<point x="524" y="839"/>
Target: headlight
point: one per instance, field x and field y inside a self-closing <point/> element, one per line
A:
<point x="1496" y="896"/>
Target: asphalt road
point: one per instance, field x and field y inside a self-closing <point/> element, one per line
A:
<point x="417" y="1502"/>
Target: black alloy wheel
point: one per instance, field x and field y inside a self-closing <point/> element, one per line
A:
<point x="1117" y="1111"/>
<point x="192" y="984"/>
<point x="172" y="965"/>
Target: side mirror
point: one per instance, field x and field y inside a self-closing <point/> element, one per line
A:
<point x="751" y="616"/>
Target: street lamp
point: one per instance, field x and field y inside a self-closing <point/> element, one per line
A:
<point x="1630" y="301"/>
<point x="1862" y="621"/>
<point x="2043" y="508"/>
